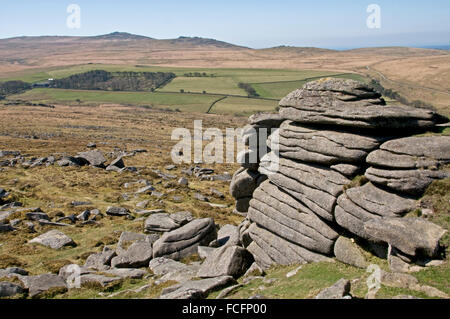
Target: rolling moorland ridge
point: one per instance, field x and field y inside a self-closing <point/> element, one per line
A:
<point x="87" y="180"/>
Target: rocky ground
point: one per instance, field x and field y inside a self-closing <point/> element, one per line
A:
<point x="93" y="191"/>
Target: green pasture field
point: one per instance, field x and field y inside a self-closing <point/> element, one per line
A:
<point x="199" y="92"/>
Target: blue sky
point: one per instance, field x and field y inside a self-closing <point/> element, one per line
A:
<point x="257" y="24"/>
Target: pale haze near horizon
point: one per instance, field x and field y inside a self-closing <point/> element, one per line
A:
<point x="256" y="24"/>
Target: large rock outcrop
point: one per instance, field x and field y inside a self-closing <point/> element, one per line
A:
<point x="302" y="198"/>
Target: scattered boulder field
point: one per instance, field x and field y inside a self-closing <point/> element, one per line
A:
<point x="336" y="178"/>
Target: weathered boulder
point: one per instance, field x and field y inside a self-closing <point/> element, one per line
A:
<point x="171" y="270"/>
<point x="195" y="289"/>
<point x="242" y="205"/>
<point x="9" y="289"/>
<point x="228" y="235"/>
<point x="327" y="147"/>
<point x="94" y="158"/>
<point x="100" y="261"/>
<point x="243" y="183"/>
<point x="126" y="273"/>
<point x="116" y="165"/>
<point x="282" y="215"/>
<point x="53" y="239"/>
<point x="13" y="271"/>
<point x="412" y="152"/>
<point x="163" y="222"/>
<point x="411" y="181"/>
<point x="72" y="161"/>
<point x="338" y="291"/>
<point x="117" y="211"/>
<point x="269" y="249"/>
<point x="347" y="170"/>
<point x="46" y="283"/>
<point x="184" y="241"/>
<point x="352" y="104"/>
<point x="316" y="188"/>
<point x="128" y="238"/>
<point x="101" y="280"/>
<point x="226" y="261"/>
<point x="348" y="253"/>
<point x="266" y="119"/>
<point x="3" y="193"/>
<point x="412" y="236"/>
<point x="137" y="255"/>
<point x="380" y="202"/>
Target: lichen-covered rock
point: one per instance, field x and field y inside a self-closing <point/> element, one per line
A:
<point x="184" y="241"/>
<point x="327" y="147"/>
<point x="53" y="239"/>
<point x="351" y="104"/>
<point x="413" y="236"/>
<point x="226" y="261"/>
<point x="412" y="153"/>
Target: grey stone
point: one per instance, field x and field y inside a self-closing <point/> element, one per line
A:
<point x="242" y="205"/>
<point x="126" y="273"/>
<point x="3" y="193"/>
<point x="99" y="279"/>
<point x="204" y="251"/>
<point x="412" y="152"/>
<point x="268" y="249"/>
<point x="280" y="214"/>
<point x="8" y="289"/>
<point x="137" y="255"/>
<point x="44" y="222"/>
<point x="13" y="271"/>
<point x="71" y="271"/>
<point x="143" y="204"/>
<point x="328" y="147"/>
<point x="117" y="163"/>
<point x="100" y="261"/>
<point x="229" y="235"/>
<point x="314" y="104"/>
<point x="226" y="261"/>
<point x="162" y="222"/>
<point x="6" y="228"/>
<point x="380" y="202"/>
<point x="254" y="270"/>
<point x="145" y="190"/>
<point x="184" y="241"/>
<point x="37" y="216"/>
<point x="412" y="182"/>
<point x="338" y="291"/>
<point x="95" y="157"/>
<point x="53" y="239"/>
<point x="315" y="187"/>
<point x="195" y="289"/>
<point x="80" y="203"/>
<point x="128" y="238"/>
<point x="84" y="215"/>
<point x="201" y="197"/>
<point x="37" y="285"/>
<point x="183" y="181"/>
<point x="348" y="253"/>
<point x="266" y="119"/>
<point x="248" y="159"/>
<point x="347" y="170"/>
<point x="412" y="236"/>
<point x="243" y="183"/>
<point x="117" y="211"/>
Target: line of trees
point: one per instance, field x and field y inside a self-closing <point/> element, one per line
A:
<point x="117" y="81"/>
<point x="249" y="89"/>
<point x="198" y="75"/>
<point x="376" y="85"/>
<point x="13" y="87"/>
